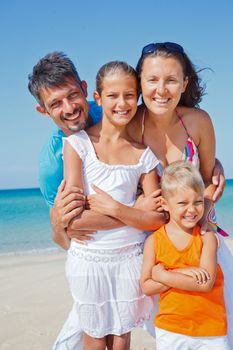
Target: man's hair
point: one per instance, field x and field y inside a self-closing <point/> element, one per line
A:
<point x="51" y="70"/>
<point x="181" y="174"/>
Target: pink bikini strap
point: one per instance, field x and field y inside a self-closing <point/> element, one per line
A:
<point x="182" y="122"/>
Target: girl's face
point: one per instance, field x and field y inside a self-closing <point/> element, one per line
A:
<point x="162" y="83"/>
<point x="185" y="206"/>
<point x="118" y="98"/>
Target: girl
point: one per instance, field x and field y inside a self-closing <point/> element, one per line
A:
<point x="104" y="274"/>
<point x="171" y="124"/>
<point x="181" y="266"/>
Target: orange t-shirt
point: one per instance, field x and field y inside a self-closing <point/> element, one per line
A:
<point x="199" y="314"/>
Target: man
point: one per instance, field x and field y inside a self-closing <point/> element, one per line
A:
<point x="61" y="95"/>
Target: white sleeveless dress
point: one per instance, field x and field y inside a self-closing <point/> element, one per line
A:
<point x="104" y="274"/>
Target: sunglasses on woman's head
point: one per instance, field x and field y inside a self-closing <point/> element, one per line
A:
<point x="172" y="47"/>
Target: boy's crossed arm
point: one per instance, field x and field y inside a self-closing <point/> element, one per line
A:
<point x="156" y="279"/>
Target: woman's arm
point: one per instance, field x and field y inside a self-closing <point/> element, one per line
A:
<point x="206" y="152"/>
<point x="148" y="285"/>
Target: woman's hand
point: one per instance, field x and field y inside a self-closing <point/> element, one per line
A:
<point x="218" y="179"/>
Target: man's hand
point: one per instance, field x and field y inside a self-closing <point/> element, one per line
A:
<point x="218" y="179"/>
<point x="68" y="204"/>
<point x="80" y="236"/>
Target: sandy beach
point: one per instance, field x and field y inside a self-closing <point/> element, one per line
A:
<point x="35" y="301"/>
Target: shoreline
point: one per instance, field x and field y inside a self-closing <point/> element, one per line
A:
<point x="35" y="301"/>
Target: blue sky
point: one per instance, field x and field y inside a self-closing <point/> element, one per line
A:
<point x="91" y="34"/>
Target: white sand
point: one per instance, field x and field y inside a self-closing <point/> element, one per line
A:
<point x="35" y="301"/>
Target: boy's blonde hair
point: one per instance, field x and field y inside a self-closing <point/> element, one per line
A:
<point x="181" y="174"/>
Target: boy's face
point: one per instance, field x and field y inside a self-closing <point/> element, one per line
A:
<point x="185" y="206"/>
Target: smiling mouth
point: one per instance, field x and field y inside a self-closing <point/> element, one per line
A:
<point x="122" y="113"/>
<point x="190" y="218"/>
<point x="74" y="116"/>
<point x="161" y="101"/>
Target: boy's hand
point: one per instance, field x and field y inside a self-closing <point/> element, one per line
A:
<point x="157" y="271"/>
<point x="200" y="275"/>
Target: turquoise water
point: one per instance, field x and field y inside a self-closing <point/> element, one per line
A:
<point x="24" y="219"/>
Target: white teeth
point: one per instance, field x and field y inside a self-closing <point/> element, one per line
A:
<point x="121" y="112"/>
<point x="190" y="217"/>
<point x="161" y="100"/>
<point x="73" y="117"/>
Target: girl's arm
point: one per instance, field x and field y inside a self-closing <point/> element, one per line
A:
<point x="208" y="261"/>
<point x="131" y="216"/>
<point x="148" y="285"/>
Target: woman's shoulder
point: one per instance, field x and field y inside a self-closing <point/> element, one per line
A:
<point x="194" y="118"/>
<point x="189" y="113"/>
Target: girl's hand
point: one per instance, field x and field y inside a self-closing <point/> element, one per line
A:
<point x="101" y="202"/>
<point x="200" y="275"/>
<point x="150" y="202"/>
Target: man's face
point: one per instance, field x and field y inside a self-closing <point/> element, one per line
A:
<point x="66" y="105"/>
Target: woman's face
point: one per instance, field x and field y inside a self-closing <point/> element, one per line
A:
<point x="162" y="83"/>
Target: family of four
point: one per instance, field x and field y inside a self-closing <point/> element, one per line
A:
<point x="115" y="158"/>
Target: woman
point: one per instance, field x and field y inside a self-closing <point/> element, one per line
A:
<point x="171" y="124"/>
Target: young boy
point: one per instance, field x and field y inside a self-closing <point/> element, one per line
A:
<point x="181" y="266"/>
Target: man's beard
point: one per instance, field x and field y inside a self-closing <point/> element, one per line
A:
<point x="80" y="126"/>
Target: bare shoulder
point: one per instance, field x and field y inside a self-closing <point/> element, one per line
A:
<point x="210" y="239"/>
<point x="196" y="121"/>
<point x="193" y="114"/>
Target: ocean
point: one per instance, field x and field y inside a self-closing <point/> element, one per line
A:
<point x="25" y="225"/>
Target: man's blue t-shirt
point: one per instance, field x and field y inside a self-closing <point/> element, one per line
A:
<point x="51" y="161"/>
